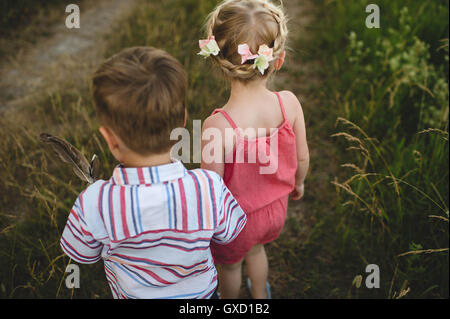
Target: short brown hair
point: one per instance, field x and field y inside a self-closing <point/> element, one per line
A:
<point x="140" y="94"/>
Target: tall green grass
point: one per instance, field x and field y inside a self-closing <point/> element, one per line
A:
<point x="37" y="193"/>
<point x="389" y="87"/>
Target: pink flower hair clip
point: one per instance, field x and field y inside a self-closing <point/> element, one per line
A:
<point x="262" y="59"/>
<point x="208" y="47"/>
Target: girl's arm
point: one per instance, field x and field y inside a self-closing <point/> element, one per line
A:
<point x="302" y="148"/>
<point x="213" y="145"/>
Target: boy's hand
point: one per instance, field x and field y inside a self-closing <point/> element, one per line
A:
<point x="298" y="192"/>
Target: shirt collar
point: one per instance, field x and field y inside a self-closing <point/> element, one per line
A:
<point x="148" y="175"/>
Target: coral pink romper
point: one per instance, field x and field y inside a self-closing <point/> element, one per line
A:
<point x="263" y="197"/>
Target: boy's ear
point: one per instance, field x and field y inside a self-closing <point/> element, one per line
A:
<point x="280" y="61"/>
<point x="109" y="137"/>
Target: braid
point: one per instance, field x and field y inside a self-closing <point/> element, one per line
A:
<point x="228" y="22"/>
<point x="242" y="71"/>
<point x="279" y="16"/>
<point x="212" y="19"/>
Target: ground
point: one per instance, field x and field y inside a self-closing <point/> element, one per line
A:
<point x="64" y="53"/>
<point x="301" y="76"/>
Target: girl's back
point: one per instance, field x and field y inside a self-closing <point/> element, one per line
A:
<point x="258" y="112"/>
<point x="260" y="158"/>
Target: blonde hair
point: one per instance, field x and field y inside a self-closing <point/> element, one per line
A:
<point x="140" y="94"/>
<point x="254" y="22"/>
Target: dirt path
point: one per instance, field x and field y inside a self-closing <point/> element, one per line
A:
<point x="301" y="77"/>
<point x="290" y="273"/>
<point x="67" y="53"/>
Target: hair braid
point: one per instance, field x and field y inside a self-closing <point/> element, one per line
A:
<point x="227" y="22"/>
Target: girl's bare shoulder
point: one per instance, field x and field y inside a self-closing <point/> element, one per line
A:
<point x="216" y="120"/>
<point x="291" y="104"/>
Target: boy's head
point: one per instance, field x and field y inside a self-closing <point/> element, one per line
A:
<point x="139" y="95"/>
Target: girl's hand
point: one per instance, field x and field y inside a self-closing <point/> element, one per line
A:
<point x="298" y="192"/>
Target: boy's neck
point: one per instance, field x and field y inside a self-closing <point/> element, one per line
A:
<point x="136" y="160"/>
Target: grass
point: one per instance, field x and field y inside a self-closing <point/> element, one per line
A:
<point x="389" y="87"/>
<point x="390" y="136"/>
<point x="32" y="263"/>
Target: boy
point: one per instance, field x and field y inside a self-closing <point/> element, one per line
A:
<point x="153" y="221"/>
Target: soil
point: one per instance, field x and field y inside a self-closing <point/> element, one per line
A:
<point x="65" y="53"/>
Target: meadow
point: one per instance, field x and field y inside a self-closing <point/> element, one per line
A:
<point x="384" y="109"/>
<point x="389" y="91"/>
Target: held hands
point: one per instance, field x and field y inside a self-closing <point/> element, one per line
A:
<point x="298" y="191"/>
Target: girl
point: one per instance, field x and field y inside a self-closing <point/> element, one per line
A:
<point x="246" y="39"/>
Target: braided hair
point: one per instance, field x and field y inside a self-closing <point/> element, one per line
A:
<point x="254" y="22"/>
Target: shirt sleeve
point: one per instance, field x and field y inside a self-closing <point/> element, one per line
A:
<point x="231" y="219"/>
<point x="77" y="241"/>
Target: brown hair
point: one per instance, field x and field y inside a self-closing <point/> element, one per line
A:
<point x="254" y="22"/>
<point x="140" y="94"/>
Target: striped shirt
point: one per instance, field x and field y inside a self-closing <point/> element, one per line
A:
<point x="153" y="227"/>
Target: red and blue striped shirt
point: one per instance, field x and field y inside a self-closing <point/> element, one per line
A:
<point x="153" y="227"/>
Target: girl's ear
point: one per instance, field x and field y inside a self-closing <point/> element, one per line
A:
<point x="109" y="137"/>
<point x="280" y="61"/>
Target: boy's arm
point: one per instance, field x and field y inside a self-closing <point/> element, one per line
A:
<point x="302" y="148"/>
<point x="231" y="218"/>
<point x="77" y="241"/>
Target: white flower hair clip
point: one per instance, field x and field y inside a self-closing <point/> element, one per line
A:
<point x="208" y="47"/>
<point x="262" y="59"/>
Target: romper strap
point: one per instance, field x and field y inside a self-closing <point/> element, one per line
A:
<point x="228" y="117"/>
<point x="281" y="105"/>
